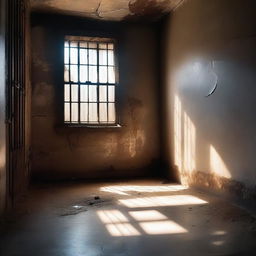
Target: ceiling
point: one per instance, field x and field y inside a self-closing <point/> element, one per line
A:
<point x="115" y="10"/>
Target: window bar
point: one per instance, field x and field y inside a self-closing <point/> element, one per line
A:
<point x="9" y="40"/>
<point x="18" y="76"/>
<point x="107" y="85"/>
<point x="86" y="83"/>
<point x="69" y="78"/>
<point x="24" y="69"/>
<point x="116" y="90"/>
<point x="10" y="84"/>
<point x="98" y="90"/>
<point x="21" y="76"/>
<point x="93" y="102"/>
<point x="13" y="80"/>
<point x="78" y="61"/>
<point x="10" y="29"/>
<point x="88" y="79"/>
<point x="13" y="73"/>
<point x="15" y="76"/>
<point x="22" y="73"/>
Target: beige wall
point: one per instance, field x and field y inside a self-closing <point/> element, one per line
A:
<point x="63" y="152"/>
<point x="212" y="140"/>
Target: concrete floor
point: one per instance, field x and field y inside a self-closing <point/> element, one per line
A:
<point x="129" y="218"/>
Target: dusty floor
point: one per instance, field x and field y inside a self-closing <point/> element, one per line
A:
<point x="129" y="218"/>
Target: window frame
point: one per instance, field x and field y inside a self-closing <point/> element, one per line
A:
<point x="98" y="124"/>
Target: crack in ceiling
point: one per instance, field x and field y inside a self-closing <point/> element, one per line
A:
<point x="115" y="10"/>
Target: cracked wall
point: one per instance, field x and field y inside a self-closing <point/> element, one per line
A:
<point x="61" y="152"/>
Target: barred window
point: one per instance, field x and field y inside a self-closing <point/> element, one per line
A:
<point x="90" y="81"/>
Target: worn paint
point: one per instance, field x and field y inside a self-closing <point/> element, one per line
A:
<point x="150" y="10"/>
<point x="65" y="152"/>
<point x="108" y="9"/>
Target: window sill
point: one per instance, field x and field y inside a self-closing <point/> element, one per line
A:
<point x="96" y="126"/>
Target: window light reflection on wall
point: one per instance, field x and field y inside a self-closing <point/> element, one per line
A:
<point x="217" y="165"/>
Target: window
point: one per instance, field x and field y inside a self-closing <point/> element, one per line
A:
<point x="90" y="81"/>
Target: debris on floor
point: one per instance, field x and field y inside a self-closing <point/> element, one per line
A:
<point x="96" y="201"/>
<point x="72" y="210"/>
<point x="83" y="205"/>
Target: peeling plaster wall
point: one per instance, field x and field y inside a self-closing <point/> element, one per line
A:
<point x="210" y="48"/>
<point x="2" y="110"/>
<point x="108" y="9"/>
<point x="61" y="152"/>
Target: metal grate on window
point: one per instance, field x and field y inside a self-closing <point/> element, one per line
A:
<point x="89" y="81"/>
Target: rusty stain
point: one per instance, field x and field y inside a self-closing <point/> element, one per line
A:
<point x="135" y="139"/>
<point x="135" y="106"/>
<point x="215" y="182"/>
<point x="110" y="146"/>
<point x="148" y="8"/>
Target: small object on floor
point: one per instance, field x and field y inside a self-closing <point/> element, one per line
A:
<point x="73" y="210"/>
<point x="96" y="197"/>
<point x="78" y="207"/>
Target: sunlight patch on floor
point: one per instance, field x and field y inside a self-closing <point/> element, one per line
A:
<point x="147" y="215"/>
<point x="162" y="228"/>
<point x="174" y="200"/>
<point x="111" y="216"/>
<point x="122" y="229"/>
<point x="121" y="190"/>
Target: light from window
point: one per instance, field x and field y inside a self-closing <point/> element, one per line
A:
<point x="90" y="81"/>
